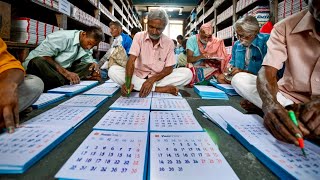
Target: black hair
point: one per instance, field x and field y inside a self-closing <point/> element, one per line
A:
<point x="180" y="37"/>
<point x="135" y="30"/>
<point x="95" y="32"/>
<point x="175" y="42"/>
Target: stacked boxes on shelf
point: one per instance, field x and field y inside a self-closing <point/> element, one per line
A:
<point x="94" y="2"/>
<point x="103" y="46"/>
<point x="287" y="8"/>
<point x="262" y="13"/>
<point x="241" y="4"/>
<point x="51" y="3"/>
<point x="229" y="49"/>
<point x="225" y="14"/>
<point x="225" y="33"/>
<point x="30" y="31"/>
<point x="83" y="17"/>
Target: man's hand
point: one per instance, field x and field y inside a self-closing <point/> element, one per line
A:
<point x="277" y="121"/>
<point x="124" y="91"/>
<point x="94" y="68"/>
<point x="146" y="88"/>
<point x="9" y="106"/>
<point x="235" y="71"/>
<point x="72" y="77"/>
<point x="310" y="116"/>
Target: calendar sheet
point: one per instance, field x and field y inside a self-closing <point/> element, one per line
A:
<point x="21" y="149"/>
<point x="124" y="103"/>
<point x="222" y="115"/>
<point x="173" y="121"/>
<point x="170" y="105"/>
<point x="108" y="155"/>
<point x="109" y="81"/>
<point x="136" y="95"/>
<point x="85" y="101"/>
<point x="285" y="160"/>
<point x="46" y="99"/>
<point x="69" y="90"/>
<point x="124" y="120"/>
<point x="165" y="95"/>
<point x="88" y="83"/>
<point x="104" y="91"/>
<point x="63" y="116"/>
<point x="187" y="156"/>
<point x="110" y="85"/>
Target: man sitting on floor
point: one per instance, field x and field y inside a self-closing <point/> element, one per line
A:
<point x="294" y="42"/>
<point x="65" y="57"/>
<point x="151" y="61"/>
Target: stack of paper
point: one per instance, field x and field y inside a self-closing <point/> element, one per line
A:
<point x="69" y="90"/>
<point x="89" y="84"/>
<point x="123" y="103"/>
<point x="186" y="155"/>
<point x="124" y="120"/>
<point x="218" y="114"/>
<point x="285" y="160"/>
<point x="46" y="99"/>
<point x="136" y="95"/>
<point x="85" y="101"/>
<point x="209" y="92"/>
<point x="102" y="91"/>
<point x="170" y="104"/>
<point x="64" y="116"/>
<point x="110" y="85"/>
<point x="108" y="155"/>
<point x="29" y="143"/>
<point x="227" y="88"/>
<point x="173" y="121"/>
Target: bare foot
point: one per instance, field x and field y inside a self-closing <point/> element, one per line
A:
<point x="250" y="107"/>
<point x="168" y="89"/>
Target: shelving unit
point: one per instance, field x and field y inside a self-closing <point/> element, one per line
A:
<point x="86" y="13"/>
<point x="224" y="13"/>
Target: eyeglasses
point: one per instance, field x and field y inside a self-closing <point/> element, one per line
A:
<point x="242" y="36"/>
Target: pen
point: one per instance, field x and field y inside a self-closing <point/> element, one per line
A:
<point x="128" y="83"/>
<point x="298" y="136"/>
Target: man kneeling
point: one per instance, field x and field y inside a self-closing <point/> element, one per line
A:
<point x="151" y="61"/>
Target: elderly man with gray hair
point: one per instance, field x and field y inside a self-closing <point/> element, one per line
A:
<point x="248" y="51"/>
<point x="151" y="61"/>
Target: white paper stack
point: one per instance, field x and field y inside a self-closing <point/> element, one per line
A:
<point x="210" y="92"/>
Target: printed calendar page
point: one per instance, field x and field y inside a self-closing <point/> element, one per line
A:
<point x="21" y="149"/>
<point x="173" y="121"/>
<point x="109" y="81"/>
<point x="108" y="155"/>
<point x="136" y="95"/>
<point x="187" y="156"/>
<point x="85" y="101"/>
<point x="124" y="120"/>
<point x="63" y="116"/>
<point x="69" y="90"/>
<point x="110" y="85"/>
<point x="131" y="103"/>
<point x="286" y="156"/>
<point x="106" y="91"/>
<point x="88" y="83"/>
<point x="46" y="99"/>
<point x="170" y="105"/>
<point x="165" y="95"/>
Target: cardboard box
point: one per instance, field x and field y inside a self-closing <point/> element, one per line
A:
<point x="5" y="20"/>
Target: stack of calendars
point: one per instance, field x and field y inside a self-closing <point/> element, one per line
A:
<point x="71" y="90"/>
<point x="133" y="140"/>
<point x="38" y="136"/>
<point x="285" y="160"/>
<point x="209" y="92"/>
<point x="227" y="88"/>
<point x="46" y="99"/>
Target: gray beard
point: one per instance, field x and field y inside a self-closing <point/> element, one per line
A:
<point x="203" y="42"/>
<point x="154" y="36"/>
